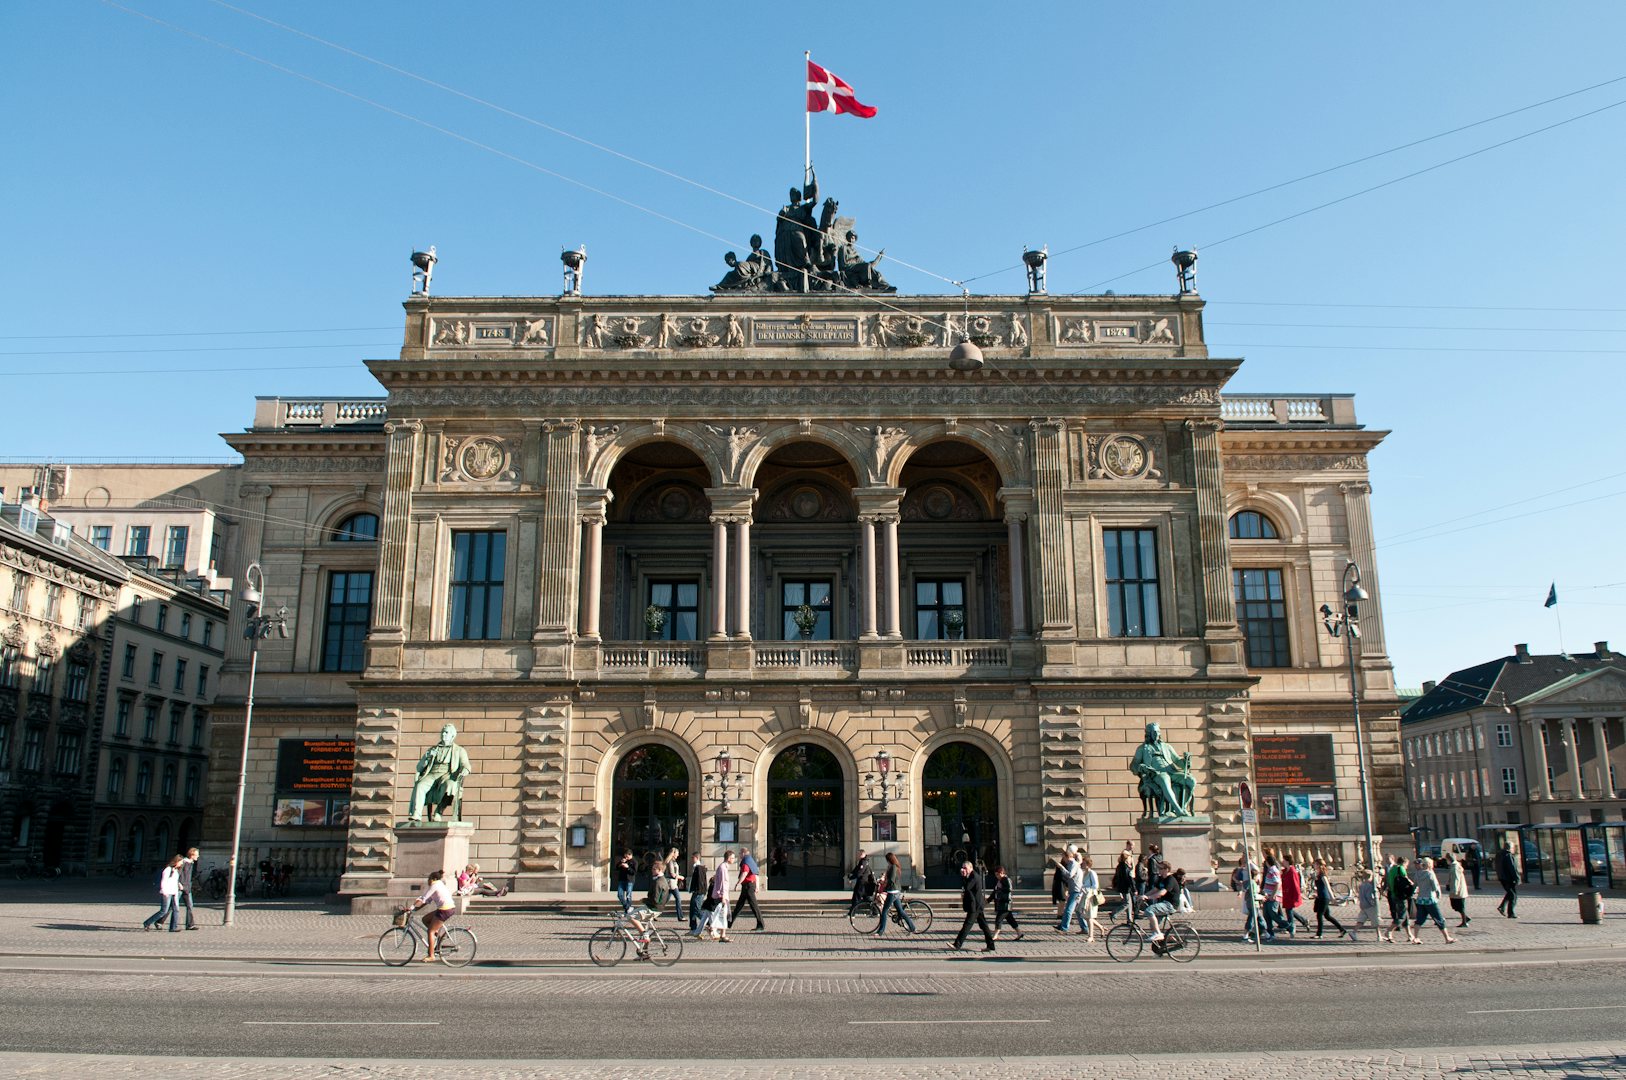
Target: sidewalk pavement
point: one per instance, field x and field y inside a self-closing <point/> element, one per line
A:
<point x="72" y="922"/>
<point x="1510" y="1063"/>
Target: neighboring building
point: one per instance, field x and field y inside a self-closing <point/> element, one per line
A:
<point x="1007" y="573"/>
<point x="56" y="595"/>
<point x="168" y="646"/>
<point x="1523" y="739"/>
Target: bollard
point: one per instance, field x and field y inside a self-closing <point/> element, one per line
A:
<point x="1591" y="903"/>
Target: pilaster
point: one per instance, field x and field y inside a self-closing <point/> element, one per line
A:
<point x="1230" y="761"/>
<point x="1224" y="639"/>
<point x="556" y="567"/>
<point x="1363" y="552"/>
<point x="400" y="467"/>
<point x="1047" y="528"/>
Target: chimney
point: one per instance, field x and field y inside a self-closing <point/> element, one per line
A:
<point x="1521" y="653"/>
<point x="1601" y="648"/>
<point x="1429" y="685"/>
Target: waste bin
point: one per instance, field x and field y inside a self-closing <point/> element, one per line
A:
<point x="1591" y="906"/>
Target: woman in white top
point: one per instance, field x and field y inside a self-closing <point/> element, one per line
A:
<point x="1456" y="888"/>
<point x="1091" y="900"/>
<point x="442" y="903"/>
<point x="169" y="888"/>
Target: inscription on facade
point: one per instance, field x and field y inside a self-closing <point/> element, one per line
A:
<point x="804" y="331"/>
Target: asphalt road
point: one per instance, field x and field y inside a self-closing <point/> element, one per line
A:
<point x="984" y="1008"/>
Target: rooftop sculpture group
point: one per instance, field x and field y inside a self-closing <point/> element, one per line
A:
<point x="808" y="255"/>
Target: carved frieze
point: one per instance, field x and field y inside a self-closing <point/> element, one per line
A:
<point x="313" y="463"/>
<point x="537" y="333"/>
<point x="1298" y="462"/>
<point x="25" y="559"/>
<point x="1077" y="331"/>
<point x="846" y="395"/>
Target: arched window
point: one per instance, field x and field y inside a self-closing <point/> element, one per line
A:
<point x="357" y="528"/>
<point x="138" y="842"/>
<point x="1252" y="525"/>
<point x="109" y="842"/>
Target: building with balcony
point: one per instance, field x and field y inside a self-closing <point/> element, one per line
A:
<point x="764" y="569"/>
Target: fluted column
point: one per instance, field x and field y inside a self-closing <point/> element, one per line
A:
<point x="1019" y="601"/>
<point x="742" y="579"/>
<point x="1358" y="516"/>
<point x="1219" y="597"/>
<point x="392" y="527"/>
<point x="1573" y="749"/>
<point x="1052" y="584"/>
<point x="559" y="440"/>
<point x="889" y="532"/>
<point x="1600" y="749"/>
<point x="1538" y="762"/>
<point x="719" y="577"/>
<point x="866" y="597"/>
<point x="592" y="540"/>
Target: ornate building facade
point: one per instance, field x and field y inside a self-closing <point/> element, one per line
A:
<point x="765" y="570"/>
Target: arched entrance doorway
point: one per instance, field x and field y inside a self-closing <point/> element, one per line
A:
<point x="960" y="802"/>
<point x="650" y="807"/>
<point x="806" y="838"/>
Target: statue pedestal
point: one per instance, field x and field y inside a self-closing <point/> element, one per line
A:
<point x="1186" y="843"/>
<point x="422" y="847"/>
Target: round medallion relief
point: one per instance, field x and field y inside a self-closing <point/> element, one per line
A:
<point x="806" y="503"/>
<point x="1124" y="457"/>
<point x="482" y="459"/>
<point x="938" y="503"/>
<point x="675" y="504"/>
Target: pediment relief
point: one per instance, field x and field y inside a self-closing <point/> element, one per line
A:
<point x="1606" y="687"/>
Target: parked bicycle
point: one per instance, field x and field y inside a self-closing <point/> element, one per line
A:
<point x="127" y="868"/>
<point x="31" y="869"/>
<point x="867" y="916"/>
<point x="608" y="945"/>
<point x="455" y="946"/>
<point x="214" y="883"/>
<point x="1126" y="939"/>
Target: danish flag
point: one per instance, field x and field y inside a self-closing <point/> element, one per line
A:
<point x="829" y="92"/>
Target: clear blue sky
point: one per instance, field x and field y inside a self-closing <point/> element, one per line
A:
<point x="155" y="184"/>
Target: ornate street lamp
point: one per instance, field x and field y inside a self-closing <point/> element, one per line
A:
<point x="718" y="784"/>
<point x="1347" y="624"/>
<point x="255" y="627"/>
<point x="890" y="786"/>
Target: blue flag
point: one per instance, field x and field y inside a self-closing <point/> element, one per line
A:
<point x="1552" y="595"/>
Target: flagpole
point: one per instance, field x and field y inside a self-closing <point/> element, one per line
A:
<point x="807" y="122"/>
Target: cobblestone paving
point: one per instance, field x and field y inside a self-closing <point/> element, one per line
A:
<point x="1510" y="1063"/>
<point x="307" y="931"/>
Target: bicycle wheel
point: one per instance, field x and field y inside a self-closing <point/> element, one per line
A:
<point x="1124" y="942"/>
<point x="665" y="948"/>
<point x="457" y="947"/>
<point x="921" y="913"/>
<point x="1181" y="943"/>
<point x="865" y="918"/>
<point x="1340" y="890"/>
<point x="606" y="947"/>
<point x="397" y="946"/>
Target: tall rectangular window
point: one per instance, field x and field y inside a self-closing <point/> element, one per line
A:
<point x="1131" y="580"/>
<point x="155" y="673"/>
<point x="177" y="715"/>
<point x="67" y="752"/>
<point x="135" y="610"/>
<point x="200" y="722"/>
<point x="175" y="545"/>
<point x="53" y="602"/>
<point x="186" y="625"/>
<point x="162" y="622"/>
<point x="1504" y="734"/>
<point x="208" y="632"/>
<point x="816" y="595"/>
<point x="78" y="688"/>
<point x="143" y="780"/>
<point x="477" y="583"/>
<point x="33" y="750"/>
<point x="203" y="680"/>
<point x="19" y="591"/>
<point x="939" y="608"/>
<point x="679" y="604"/>
<point x="115" y="778"/>
<point x="180" y="675"/>
<point x="121" y="716"/>
<point x="128" y="669"/>
<point x="102" y="536"/>
<point x="1510" y="782"/>
<point x="1261" y="608"/>
<point x="138" y="539"/>
<point x="11" y="666"/>
<point x="349" y="608"/>
<point x="149" y="722"/>
<point x="44" y="668"/>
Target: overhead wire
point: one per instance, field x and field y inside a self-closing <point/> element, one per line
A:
<point x="1210" y="324"/>
<point x="1211" y="300"/>
<point x="194" y="333"/>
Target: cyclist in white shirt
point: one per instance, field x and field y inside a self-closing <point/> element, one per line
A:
<point x="442" y="902"/>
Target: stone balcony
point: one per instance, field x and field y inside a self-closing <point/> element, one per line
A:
<point x="1288" y="410"/>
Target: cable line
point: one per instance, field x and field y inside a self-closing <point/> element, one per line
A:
<point x="194" y="333"/>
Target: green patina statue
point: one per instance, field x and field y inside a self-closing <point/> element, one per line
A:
<point x="1166" y="786"/>
<point x="441" y="772"/>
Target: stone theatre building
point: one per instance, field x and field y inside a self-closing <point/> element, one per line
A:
<point x="763" y="569"/>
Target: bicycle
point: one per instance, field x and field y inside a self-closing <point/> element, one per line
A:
<point x="125" y="869"/>
<point x="608" y="945"/>
<point x="31" y="869"/>
<point x="1125" y="940"/>
<point x="398" y="946"/>
<point x="866" y="918"/>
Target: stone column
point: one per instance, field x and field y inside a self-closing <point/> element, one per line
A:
<point x="889" y="532"/>
<point x="742" y="579"/>
<point x="592" y="534"/>
<point x="1572" y="747"/>
<point x="1055" y="610"/>
<point x="1600" y="748"/>
<point x="866" y="596"/>
<point x="1018" y="502"/>
<point x="1537" y="762"/>
<point x="719" y="577"/>
<point x="559" y="530"/>
<point x="389" y="614"/>
<point x="1358" y="517"/>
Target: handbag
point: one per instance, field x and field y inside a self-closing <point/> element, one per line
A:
<point x="710" y="903"/>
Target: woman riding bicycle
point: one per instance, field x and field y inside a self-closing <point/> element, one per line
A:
<point x="437" y="892"/>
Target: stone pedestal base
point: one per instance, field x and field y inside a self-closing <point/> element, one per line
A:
<point x="423" y="847"/>
<point x="1187" y="844"/>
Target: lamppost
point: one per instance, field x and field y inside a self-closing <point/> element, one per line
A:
<point x="1347" y="624"/>
<point x="883" y="778"/>
<point x="719" y="783"/>
<point x="255" y="627"/>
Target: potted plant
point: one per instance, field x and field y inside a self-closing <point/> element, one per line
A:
<point x="806" y="620"/>
<point x="954" y="623"/>
<point x="654" y="620"/>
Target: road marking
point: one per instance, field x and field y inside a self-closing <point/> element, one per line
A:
<point x="1556" y="1008"/>
<point x="948" y="1021"/>
<point x="341" y="1023"/>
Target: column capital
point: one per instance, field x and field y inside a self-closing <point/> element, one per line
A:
<point x="1205" y="424"/>
<point x="1018" y="502"/>
<point x="1355" y="487"/>
<point x="731" y="503"/>
<point x="875" y="503"/>
<point x="593" y="503"/>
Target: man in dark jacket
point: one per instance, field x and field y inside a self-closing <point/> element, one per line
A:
<point x="973" y="901"/>
<point x="863" y="879"/>
<point x="748" y="890"/>
<point x="1507" y="875"/>
<point x="187" y="869"/>
<point x="699" y="882"/>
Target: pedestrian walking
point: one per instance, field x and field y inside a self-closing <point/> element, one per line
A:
<point x="1400" y="889"/>
<point x="1001" y="889"/>
<point x="1292" y="895"/>
<point x="1270" y="892"/>
<point x="1089" y="925"/>
<point x="1507" y="876"/>
<point x="187" y="870"/>
<point x="1427" y="897"/>
<point x="1475" y="857"/>
<point x="169" y="884"/>
<point x="699" y="880"/>
<point x="722" y="885"/>
<point x="748" y="890"/>
<point x="1366" y="903"/>
<point x="1456" y="888"/>
<point x="1075" y="886"/>
<point x="1245" y="882"/>
<point x="973" y="902"/>
<point x="1123" y="878"/>
<point x="1058" y="884"/>
<point x="892" y="895"/>
<point x="674" y="881"/>
<point x="626" y="869"/>
<point x="1323" y="902"/>
<point x="863" y="879"/>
